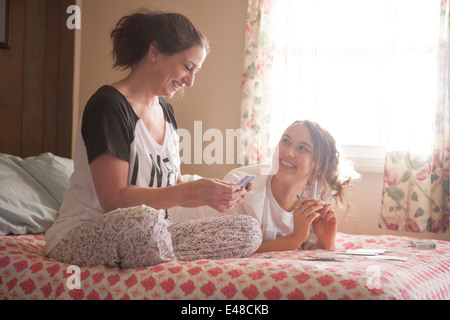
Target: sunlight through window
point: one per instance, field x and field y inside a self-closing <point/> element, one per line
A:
<point x="357" y="66"/>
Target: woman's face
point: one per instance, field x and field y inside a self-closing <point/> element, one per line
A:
<point x="178" y="70"/>
<point x="296" y="148"/>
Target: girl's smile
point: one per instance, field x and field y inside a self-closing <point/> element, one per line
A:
<point x="296" y="147"/>
<point x="287" y="164"/>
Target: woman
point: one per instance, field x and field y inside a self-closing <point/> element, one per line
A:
<point x="294" y="205"/>
<point x="126" y="156"/>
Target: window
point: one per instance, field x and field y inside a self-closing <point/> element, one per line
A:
<point x="352" y="66"/>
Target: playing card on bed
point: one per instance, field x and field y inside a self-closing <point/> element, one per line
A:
<point x="327" y="257"/>
<point x="365" y="252"/>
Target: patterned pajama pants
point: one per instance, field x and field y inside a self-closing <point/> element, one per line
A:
<point x="141" y="236"/>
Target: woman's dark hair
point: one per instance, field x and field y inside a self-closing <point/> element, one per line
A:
<point x="171" y="32"/>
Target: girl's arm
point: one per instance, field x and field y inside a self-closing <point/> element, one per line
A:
<point x="110" y="181"/>
<point x="285" y="243"/>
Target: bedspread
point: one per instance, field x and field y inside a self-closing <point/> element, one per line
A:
<point x="424" y="274"/>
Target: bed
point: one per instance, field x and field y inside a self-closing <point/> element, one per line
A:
<point x="363" y="267"/>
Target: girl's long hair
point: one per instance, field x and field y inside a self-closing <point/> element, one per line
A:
<point x="330" y="169"/>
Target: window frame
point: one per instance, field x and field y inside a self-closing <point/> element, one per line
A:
<point x="366" y="159"/>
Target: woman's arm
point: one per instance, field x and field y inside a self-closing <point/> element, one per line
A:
<point x="110" y="176"/>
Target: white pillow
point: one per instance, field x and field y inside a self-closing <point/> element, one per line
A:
<point x="25" y="205"/>
<point x="51" y="171"/>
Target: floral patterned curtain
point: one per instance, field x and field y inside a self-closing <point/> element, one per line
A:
<point x="255" y="87"/>
<point x="416" y="179"/>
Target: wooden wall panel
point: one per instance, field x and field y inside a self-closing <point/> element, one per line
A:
<point x="65" y="89"/>
<point x="33" y="77"/>
<point x="52" y="50"/>
<point x="11" y="80"/>
<point x="36" y="107"/>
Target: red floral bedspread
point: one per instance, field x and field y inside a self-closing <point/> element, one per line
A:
<point x="26" y="274"/>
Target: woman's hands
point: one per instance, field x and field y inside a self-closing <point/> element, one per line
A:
<point x="219" y="195"/>
<point x="321" y="216"/>
<point x="110" y="175"/>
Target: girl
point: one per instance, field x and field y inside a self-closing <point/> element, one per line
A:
<point x="294" y="205"/>
<point x="127" y="164"/>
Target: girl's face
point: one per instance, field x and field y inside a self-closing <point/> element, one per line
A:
<point x="177" y="70"/>
<point x="296" y="148"/>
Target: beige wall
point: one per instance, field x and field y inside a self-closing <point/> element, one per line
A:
<point x="215" y="98"/>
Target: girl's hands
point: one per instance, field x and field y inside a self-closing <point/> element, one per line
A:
<point x="220" y="195"/>
<point x="305" y="212"/>
<point x="325" y="228"/>
<point x="321" y="216"/>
